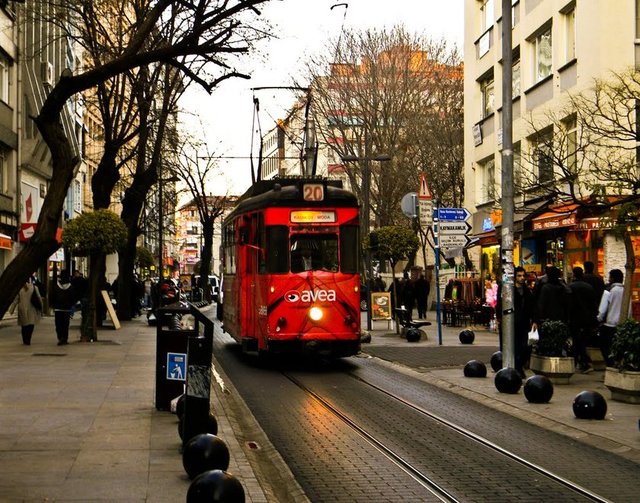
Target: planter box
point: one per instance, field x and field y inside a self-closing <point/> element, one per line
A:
<point x="558" y="369"/>
<point x="624" y="386"/>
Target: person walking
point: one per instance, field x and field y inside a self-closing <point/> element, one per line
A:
<point x="593" y="279"/>
<point x="582" y="318"/>
<point x="408" y="293"/>
<point x="609" y="313"/>
<point x="523" y="307"/>
<point x="553" y="302"/>
<point x="29" y="304"/>
<point x="422" y="288"/>
<point x="62" y="298"/>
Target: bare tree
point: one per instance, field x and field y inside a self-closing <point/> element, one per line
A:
<point x="208" y="32"/>
<point x="398" y="94"/>
<point x="586" y="153"/>
<point x="197" y="171"/>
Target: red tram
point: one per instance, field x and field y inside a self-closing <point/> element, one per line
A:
<point x="291" y="268"/>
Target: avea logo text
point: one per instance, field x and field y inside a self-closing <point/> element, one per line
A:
<point x="310" y="296"/>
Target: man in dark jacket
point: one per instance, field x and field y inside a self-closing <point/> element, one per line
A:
<point x="593" y="279"/>
<point x="522" y="319"/>
<point x="582" y="319"/>
<point x="62" y="299"/>
<point x="553" y="302"/>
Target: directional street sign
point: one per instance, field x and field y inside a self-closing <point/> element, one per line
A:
<point x="460" y="214"/>
<point x="453" y="240"/>
<point x="450" y="227"/>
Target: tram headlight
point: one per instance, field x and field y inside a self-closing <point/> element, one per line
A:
<point x="315" y="313"/>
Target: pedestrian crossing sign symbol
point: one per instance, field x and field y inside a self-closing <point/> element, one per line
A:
<point x="176" y="366"/>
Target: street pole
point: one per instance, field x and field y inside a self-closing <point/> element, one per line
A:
<point x="366" y="207"/>
<point x="160" y="225"/>
<point x="366" y="182"/>
<point x="507" y="324"/>
<point x="436" y="240"/>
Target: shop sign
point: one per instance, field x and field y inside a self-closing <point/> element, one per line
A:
<point x="561" y="220"/>
<point x="487" y="225"/>
<point x="594" y="223"/>
<point x="5" y="242"/>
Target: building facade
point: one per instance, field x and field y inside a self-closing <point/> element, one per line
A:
<point x="558" y="47"/>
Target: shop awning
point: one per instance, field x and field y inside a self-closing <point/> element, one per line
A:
<point x="562" y="216"/>
<point x="5" y="242"/>
<point x="488" y="238"/>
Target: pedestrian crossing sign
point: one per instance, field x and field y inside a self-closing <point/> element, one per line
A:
<point x="176" y="366"/>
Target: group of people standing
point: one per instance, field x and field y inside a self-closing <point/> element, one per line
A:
<point x="412" y="293"/>
<point x="590" y="308"/>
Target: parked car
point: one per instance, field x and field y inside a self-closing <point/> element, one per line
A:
<point x="214" y="286"/>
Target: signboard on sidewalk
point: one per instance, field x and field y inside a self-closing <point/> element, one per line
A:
<point x="381" y="306"/>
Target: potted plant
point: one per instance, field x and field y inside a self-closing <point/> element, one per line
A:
<point x="551" y="355"/>
<point x="623" y="379"/>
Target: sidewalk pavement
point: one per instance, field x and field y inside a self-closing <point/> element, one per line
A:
<point x="443" y="365"/>
<point x="78" y="422"/>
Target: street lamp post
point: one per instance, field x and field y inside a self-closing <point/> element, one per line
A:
<point x="366" y="209"/>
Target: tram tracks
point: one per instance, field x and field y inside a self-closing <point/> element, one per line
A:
<point x="427" y="481"/>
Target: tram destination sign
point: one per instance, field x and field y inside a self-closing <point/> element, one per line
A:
<point x="456" y="214"/>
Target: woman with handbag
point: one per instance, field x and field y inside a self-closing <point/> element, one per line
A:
<point x="29" y="304"/>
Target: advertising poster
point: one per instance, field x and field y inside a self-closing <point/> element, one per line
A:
<point x="381" y="306"/>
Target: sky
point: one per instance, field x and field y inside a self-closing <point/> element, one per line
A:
<point x="303" y="28"/>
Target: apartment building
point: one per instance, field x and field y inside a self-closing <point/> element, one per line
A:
<point x="558" y="47"/>
<point x="9" y="97"/>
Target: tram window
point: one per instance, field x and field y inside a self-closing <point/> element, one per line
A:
<point x="349" y="248"/>
<point x="314" y="252"/>
<point x="276" y="249"/>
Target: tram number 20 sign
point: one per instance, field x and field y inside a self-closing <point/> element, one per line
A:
<point x="313" y="192"/>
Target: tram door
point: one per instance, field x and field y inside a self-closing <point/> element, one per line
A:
<point x="249" y="291"/>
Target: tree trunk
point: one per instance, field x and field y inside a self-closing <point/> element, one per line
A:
<point x="43" y="243"/>
<point x="97" y="269"/>
<point x="207" y="253"/>
<point x="629" y="268"/>
<point x="395" y="295"/>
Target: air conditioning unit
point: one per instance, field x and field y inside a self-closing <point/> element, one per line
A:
<point x="46" y="73"/>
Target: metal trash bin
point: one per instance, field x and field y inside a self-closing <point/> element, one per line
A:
<point x="171" y="360"/>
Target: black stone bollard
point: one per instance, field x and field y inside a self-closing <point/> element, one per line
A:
<point x="467" y="336"/>
<point x="589" y="405"/>
<point x="496" y="361"/>
<point x="475" y="368"/>
<point x="204" y="452"/>
<point x="180" y="405"/>
<point x="210" y="426"/>
<point x="538" y="389"/>
<point x="215" y="486"/>
<point x="507" y="380"/>
<point x="413" y="334"/>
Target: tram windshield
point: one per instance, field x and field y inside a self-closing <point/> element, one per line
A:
<point x="314" y="252"/>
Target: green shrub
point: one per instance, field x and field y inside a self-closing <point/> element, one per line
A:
<point x="625" y="347"/>
<point x="554" y="339"/>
